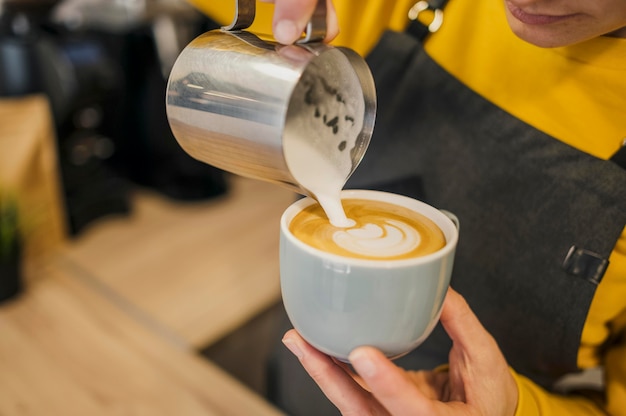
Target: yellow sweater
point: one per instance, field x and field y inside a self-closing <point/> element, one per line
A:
<point x="585" y="111"/>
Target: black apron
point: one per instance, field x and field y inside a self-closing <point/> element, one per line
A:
<point x="538" y="217"/>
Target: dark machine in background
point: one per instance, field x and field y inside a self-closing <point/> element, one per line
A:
<point x="104" y="67"/>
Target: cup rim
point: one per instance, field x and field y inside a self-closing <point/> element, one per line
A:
<point x="450" y="229"/>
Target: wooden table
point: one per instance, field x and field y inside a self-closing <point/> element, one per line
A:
<point x="112" y="324"/>
<point x="67" y="350"/>
<point x="192" y="271"/>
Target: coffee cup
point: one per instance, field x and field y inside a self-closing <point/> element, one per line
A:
<point x="370" y="283"/>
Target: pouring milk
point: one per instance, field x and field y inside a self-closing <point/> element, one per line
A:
<point x="321" y="134"/>
<point x="324" y="122"/>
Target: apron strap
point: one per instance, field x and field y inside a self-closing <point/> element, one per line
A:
<point x="418" y="27"/>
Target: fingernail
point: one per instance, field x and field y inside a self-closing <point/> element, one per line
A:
<point x="362" y="362"/>
<point x="291" y="346"/>
<point x="285" y="32"/>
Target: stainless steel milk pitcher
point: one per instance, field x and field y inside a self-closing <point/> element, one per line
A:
<point x="287" y="114"/>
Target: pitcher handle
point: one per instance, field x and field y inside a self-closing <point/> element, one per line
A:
<point x="315" y="30"/>
<point x="245" y="11"/>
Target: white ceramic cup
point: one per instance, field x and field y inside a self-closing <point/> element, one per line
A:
<point x="339" y="303"/>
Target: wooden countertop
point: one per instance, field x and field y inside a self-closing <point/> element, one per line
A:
<point x="195" y="271"/>
<point x="112" y="325"/>
<point x="67" y="350"/>
<point x="110" y="322"/>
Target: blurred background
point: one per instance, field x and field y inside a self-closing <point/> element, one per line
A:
<point x="103" y="66"/>
<point x="133" y="278"/>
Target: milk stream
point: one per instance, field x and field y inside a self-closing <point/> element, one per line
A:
<point x="323" y="177"/>
<point x="325" y="119"/>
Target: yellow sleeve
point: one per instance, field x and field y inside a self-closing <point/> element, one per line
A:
<point x="604" y="334"/>
<point x="534" y="400"/>
<point x="615" y="372"/>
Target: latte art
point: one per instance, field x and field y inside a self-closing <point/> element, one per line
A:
<point x="381" y="231"/>
<point x="373" y="240"/>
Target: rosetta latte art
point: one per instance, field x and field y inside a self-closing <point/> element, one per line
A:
<point x="394" y="238"/>
<point x="380" y="231"/>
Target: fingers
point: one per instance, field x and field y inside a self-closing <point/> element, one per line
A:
<point x="475" y="355"/>
<point x="391" y="385"/>
<point x="334" y="380"/>
<point x="478" y="374"/>
<point x="292" y="16"/>
<point x="332" y="22"/>
<point x="462" y="325"/>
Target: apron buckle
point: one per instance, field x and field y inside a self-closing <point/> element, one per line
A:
<point x="586" y="264"/>
<point x="423" y="6"/>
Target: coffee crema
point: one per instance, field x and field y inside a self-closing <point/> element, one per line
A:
<point x="381" y="231"/>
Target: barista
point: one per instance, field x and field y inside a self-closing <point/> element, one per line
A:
<point x="510" y="115"/>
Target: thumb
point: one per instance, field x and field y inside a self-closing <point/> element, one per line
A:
<point x="478" y="369"/>
<point x="389" y="384"/>
<point x="292" y="16"/>
<point x="290" y="19"/>
<point x="463" y="326"/>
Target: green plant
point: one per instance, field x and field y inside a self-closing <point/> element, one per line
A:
<point x="9" y="226"/>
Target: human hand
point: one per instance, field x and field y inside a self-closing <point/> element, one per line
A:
<point x="292" y="16"/>
<point x="478" y="381"/>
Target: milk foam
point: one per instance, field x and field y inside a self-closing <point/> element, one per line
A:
<point x="325" y="118"/>
<point x="393" y="238"/>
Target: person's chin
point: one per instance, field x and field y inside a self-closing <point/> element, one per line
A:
<point x="541" y="36"/>
<point x="548" y="33"/>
